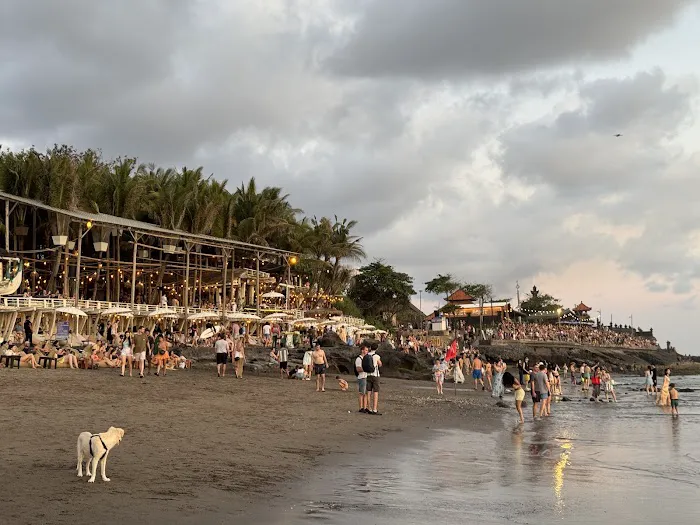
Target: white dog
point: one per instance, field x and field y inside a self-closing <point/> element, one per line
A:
<point x="94" y="448"/>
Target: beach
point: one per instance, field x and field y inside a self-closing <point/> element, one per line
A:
<point x="197" y="448"/>
<point x="202" y="449"/>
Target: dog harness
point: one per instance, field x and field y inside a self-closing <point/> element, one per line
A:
<point x="103" y="444"/>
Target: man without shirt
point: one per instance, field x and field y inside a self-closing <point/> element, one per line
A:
<point x="373" y="381"/>
<point x="362" y="380"/>
<point x="320" y="365"/>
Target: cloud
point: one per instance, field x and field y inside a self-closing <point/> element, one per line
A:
<point x="448" y="38"/>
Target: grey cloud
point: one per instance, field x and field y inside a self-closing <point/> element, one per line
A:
<point x="445" y="38"/>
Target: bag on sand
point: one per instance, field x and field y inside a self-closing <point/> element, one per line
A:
<point x="368" y="364"/>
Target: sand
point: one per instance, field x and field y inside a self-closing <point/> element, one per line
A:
<point x="197" y="449"/>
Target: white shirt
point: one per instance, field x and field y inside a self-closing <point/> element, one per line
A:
<point x="283" y="355"/>
<point x="266" y="329"/>
<point x="375" y="360"/>
<point x="221" y="346"/>
<point x="358" y="364"/>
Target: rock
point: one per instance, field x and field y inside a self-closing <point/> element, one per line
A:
<point x="502" y="404"/>
<point x="685" y="389"/>
<point x="564" y="398"/>
<point x="331" y="339"/>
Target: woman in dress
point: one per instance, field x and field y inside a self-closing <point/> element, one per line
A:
<point x="307" y="364"/>
<point x="458" y="375"/>
<point x="648" y="381"/>
<point x="499" y="368"/>
<point x="664" y="398"/>
<point x="239" y="358"/>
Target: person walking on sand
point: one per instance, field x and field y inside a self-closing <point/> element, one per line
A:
<point x="307" y="362"/>
<point x="372" y="368"/>
<point x="239" y="357"/>
<point x="320" y="365"/>
<point x="362" y="379"/>
<point x="477" y="373"/>
<point x="127" y="353"/>
<point x="439" y="375"/>
<point x="140" y="349"/>
<point x="673" y="394"/>
<point x="221" y="350"/>
<point x="488" y="367"/>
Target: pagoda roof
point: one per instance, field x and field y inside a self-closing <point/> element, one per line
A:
<point x="460" y="296"/>
<point x="582" y="308"/>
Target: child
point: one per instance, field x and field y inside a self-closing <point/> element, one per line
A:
<point x="439" y="374"/>
<point x="674" y="399"/>
<point x="342" y="383"/>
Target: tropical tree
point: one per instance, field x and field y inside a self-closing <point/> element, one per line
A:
<point x="380" y="291"/>
<point x="537" y="301"/>
<point x="442" y="285"/>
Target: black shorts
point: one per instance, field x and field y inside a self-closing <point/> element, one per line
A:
<point x="283" y="365"/>
<point x="536" y="397"/>
<point x="372" y="384"/>
<point x="319" y="369"/>
<point x="221" y="358"/>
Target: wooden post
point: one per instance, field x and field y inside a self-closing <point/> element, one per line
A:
<point x="133" y="271"/>
<point x="289" y="276"/>
<point x="79" y="242"/>
<point x="223" y="291"/>
<point x="186" y="293"/>
<point x="257" y="283"/>
<point x="7" y="226"/>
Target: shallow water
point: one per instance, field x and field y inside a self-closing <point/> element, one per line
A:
<point x="626" y="462"/>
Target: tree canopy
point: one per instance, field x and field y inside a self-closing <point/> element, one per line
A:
<point x="380" y="291"/>
<point x="442" y="285"/>
<point x="538" y="302"/>
<point x="179" y="199"/>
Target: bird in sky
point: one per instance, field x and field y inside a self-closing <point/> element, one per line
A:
<point x="618" y="135"/>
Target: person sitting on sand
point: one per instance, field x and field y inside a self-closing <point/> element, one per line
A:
<point x="673" y="394"/>
<point x="342" y="383"/>
<point x="66" y="357"/>
<point x="26" y="356"/>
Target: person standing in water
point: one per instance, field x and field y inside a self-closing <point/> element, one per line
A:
<point x="510" y="382"/>
<point x="664" y="398"/>
<point x="648" y="382"/>
<point x="673" y="394"/>
<point x="499" y="368"/>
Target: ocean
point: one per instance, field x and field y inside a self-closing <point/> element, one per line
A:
<point x="625" y="462"/>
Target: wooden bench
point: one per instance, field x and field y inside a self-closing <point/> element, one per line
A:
<point x="10" y="360"/>
<point x="48" y="360"/>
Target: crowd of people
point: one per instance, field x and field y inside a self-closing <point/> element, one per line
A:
<point x="580" y="334"/>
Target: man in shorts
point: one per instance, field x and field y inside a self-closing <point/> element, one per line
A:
<point x="373" y="381"/>
<point x="221" y="349"/>
<point x="320" y="364"/>
<point x="362" y="380"/>
<point x="283" y="355"/>
<point x="477" y="374"/>
<point x="140" y="348"/>
<point x="539" y="385"/>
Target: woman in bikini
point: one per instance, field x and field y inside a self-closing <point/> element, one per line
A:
<point x="162" y="357"/>
<point x="509" y="381"/>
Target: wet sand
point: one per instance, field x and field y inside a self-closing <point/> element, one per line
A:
<point x="197" y="449"/>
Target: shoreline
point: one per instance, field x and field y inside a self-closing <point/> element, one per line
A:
<point x="197" y="448"/>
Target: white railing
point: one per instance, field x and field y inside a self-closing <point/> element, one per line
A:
<point x="89" y="306"/>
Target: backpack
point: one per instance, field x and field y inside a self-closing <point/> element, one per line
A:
<point x="368" y="364"/>
<point x="354" y="367"/>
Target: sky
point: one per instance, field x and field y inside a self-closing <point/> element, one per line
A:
<point x="466" y="137"/>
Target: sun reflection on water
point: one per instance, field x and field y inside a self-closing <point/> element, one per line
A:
<point x="558" y="474"/>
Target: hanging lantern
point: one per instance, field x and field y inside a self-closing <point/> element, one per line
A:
<point x="59" y="240"/>
<point x="71" y="245"/>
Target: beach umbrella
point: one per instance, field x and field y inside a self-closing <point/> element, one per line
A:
<point x="368" y="327"/>
<point x="164" y="312"/>
<point x="242" y="316"/>
<point x="273" y="295"/>
<point x="380" y="332"/>
<point x="117" y="310"/>
<point x="203" y="315"/>
<point x="276" y="316"/>
<point x="71" y="310"/>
